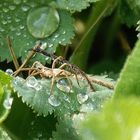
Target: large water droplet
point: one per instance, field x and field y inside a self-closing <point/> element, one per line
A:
<point x="31" y="82"/>
<point x="9" y="71"/>
<point x="40" y="19"/>
<point x="82" y="98"/>
<point x="63" y="85"/>
<point x="8" y="103"/>
<point x="54" y="101"/>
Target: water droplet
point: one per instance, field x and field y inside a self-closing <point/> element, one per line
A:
<point x="63" y="39"/>
<point x="4" y="22"/>
<point x="5" y="10"/>
<point x="87" y="107"/>
<point x="17" y="1"/>
<point x="17" y="20"/>
<point x="82" y="98"/>
<point x="38" y="87"/>
<point x="18" y="33"/>
<point x="138" y="28"/>
<point x="50" y="45"/>
<point x="44" y="45"/>
<point x="9" y="71"/>
<point x="25" y="8"/>
<point x="40" y="19"/>
<point x="31" y="82"/>
<point x="18" y="81"/>
<point x="8" y="103"/>
<point x="21" y="27"/>
<point x="63" y="85"/>
<point x="57" y="35"/>
<point x="54" y="101"/>
<point x="12" y="7"/>
<point x="64" y="32"/>
<point x="1" y="29"/>
<point x="138" y="35"/>
<point x="66" y="98"/>
<point x="138" y="22"/>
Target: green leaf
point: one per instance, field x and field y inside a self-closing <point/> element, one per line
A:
<point x="73" y="5"/>
<point x="118" y="121"/>
<point x="129" y="81"/>
<point x="14" y="25"/>
<point x="5" y="95"/>
<point x="65" y="98"/>
<point x="129" y="11"/>
<point x="65" y="130"/>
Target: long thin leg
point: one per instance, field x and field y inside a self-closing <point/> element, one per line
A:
<point x="59" y="58"/>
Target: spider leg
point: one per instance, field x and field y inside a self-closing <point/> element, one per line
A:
<point x="55" y="61"/>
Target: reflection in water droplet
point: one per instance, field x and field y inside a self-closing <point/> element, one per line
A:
<point x="63" y="85"/>
<point x="40" y="19"/>
<point x="82" y="98"/>
<point x="9" y="71"/>
<point x="54" y="101"/>
<point x="8" y="103"/>
<point x="31" y="82"/>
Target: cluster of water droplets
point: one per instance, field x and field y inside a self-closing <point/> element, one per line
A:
<point x="32" y="82"/>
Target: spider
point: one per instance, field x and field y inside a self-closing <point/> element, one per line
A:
<point x="39" y="69"/>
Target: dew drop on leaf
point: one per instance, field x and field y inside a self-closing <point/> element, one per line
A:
<point x="12" y="7"/>
<point x="31" y="82"/>
<point x="40" y="19"/>
<point x="82" y="98"/>
<point x="9" y="71"/>
<point x="18" y="81"/>
<point x="17" y="1"/>
<point x="87" y="107"/>
<point x="8" y="103"/>
<point x="53" y="101"/>
<point x="63" y="85"/>
<point x="38" y="87"/>
<point x="25" y="8"/>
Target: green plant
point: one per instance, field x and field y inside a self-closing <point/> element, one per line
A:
<point x="27" y="108"/>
